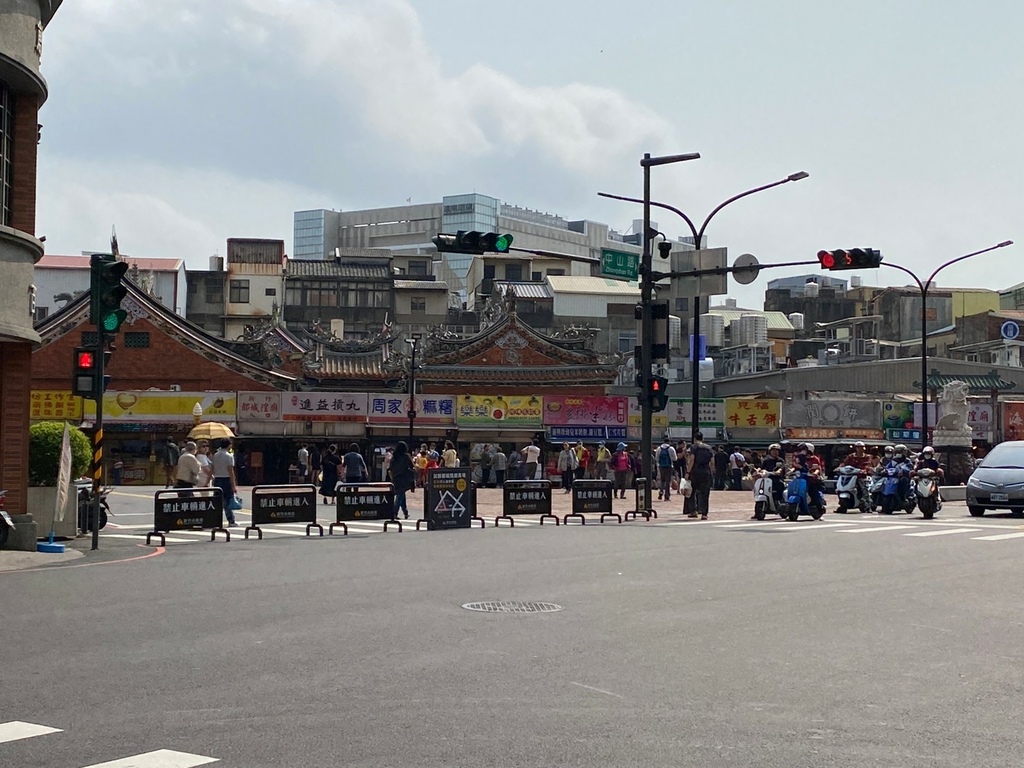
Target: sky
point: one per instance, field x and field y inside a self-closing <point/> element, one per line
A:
<point x="186" y="122"/>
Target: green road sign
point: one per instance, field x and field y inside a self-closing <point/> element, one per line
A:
<point x="620" y="265"/>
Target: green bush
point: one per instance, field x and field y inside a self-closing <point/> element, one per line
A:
<point x="44" y="441"/>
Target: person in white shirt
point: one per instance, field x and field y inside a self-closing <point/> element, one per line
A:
<point x="206" y="466"/>
<point x="189" y="467"/>
<point x="224" y="477"/>
<point x="531" y="457"/>
<point x="737" y="461"/>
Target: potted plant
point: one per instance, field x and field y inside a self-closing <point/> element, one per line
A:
<point x="44" y="441"/>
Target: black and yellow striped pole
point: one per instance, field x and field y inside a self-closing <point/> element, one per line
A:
<point x="97" y="441"/>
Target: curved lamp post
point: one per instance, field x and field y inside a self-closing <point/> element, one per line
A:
<point x="698" y="235"/>
<point x="924" y="286"/>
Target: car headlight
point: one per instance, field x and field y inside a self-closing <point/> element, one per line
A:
<point x="973" y="482"/>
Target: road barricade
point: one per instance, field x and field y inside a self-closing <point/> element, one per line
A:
<point x="593" y="496"/>
<point x="183" y="509"/>
<point x="450" y="499"/>
<point x="278" y="504"/>
<point x="525" y="497"/>
<point x="365" y="501"/>
<point x="642" y="495"/>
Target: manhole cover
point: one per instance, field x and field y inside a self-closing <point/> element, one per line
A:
<point x="512" y="606"/>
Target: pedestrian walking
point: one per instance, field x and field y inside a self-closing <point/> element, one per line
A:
<point x="329" y="479"/>
<point x="355" y="465"/>
<point x="567" y="464"/>
<point x="620" y="467"/>
<point x="515" y="465"/>
<point x="314" y="464"/>
<point x="531" y="458"/>
<point x="419" y="463"/>
<point x="223" y="465"/>
<point x="582" y="459"/>
<point x="450" y="457"/>
<point x="303" y="462"/>
<point x="188" y="469"/>
<point x="403" y="477"/>
<point x="721" y="465"/>
<point x="500" y="466"/>
<point x="171" y="454"/>
<point x="385" y="463"/>
<point x="699" y="473"/>
<point x="737" y="461"/>
<point x="205" y="464"/>
<point x="486" y="459"/>
<point x="666" y="465"/>
<point x="602" y="459"/>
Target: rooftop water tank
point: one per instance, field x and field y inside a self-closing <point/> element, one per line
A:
<point x="855" y="281"/>
<point x="811" y="289"/>
<point x="713" y="328"/>
<point x="749" y="329"/>
<point x="730" y="303"/>
<point x="796" y="319"/>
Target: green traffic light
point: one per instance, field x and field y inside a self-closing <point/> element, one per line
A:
<point x="112" y="321"/>
<point x="503" y="243"/>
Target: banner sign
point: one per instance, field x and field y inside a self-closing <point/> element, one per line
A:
<point x="659" y="419"/>
<point x="394" y="409"/>
<point x="711" y="412"/>
<point x="751" y="413"/>
<point x="374" y="501"/>
<point x="827" y="433"/>
<point x="324" y="406"/>
<point x="500" y="411"/>
<point x="586" y="434"/>
<point x="55" y="405"/>
<point x="1013" y="420"/>
<point x="833" y="414"/>
<point x="526" y="497"/>
<point x="903" y="435"/>
<point x="259" y="406"/>
<point x="597" y="410"/>
<point x="164" y="407"/>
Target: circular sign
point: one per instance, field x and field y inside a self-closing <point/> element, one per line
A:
<point x="1010" y="330"/>
<point x="460" y="484"/>
<point x="745" y="269"/>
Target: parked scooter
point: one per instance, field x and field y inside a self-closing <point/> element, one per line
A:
<point x="875" y="483"/>
<point x="850" y="490"/>
<point x="798" y="498"/>
<point x="766" y="500"/>
<point x="892" y="499"/>
<point x="929" y="500"/>
<point x="85" y="508"/>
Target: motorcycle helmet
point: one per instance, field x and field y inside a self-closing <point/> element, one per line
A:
<point x="774" y="447"/>
<point x="901" y="450"/>
<point x="888" y="450"/>
<point x="859" y="444"/>
<point x="809" y="447"/>
<point x="928" y="451"/>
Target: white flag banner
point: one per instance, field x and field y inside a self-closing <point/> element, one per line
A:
<point x="64" y="475"/>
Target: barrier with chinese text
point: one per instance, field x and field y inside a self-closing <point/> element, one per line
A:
<point x="525" y="497"/>
<point x="365" y="501"/>
<point x="182" y="509"/>
<point x="279" y="504"/>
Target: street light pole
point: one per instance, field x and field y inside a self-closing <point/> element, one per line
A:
<point x="647" y="326"/>
<point x="412" y="342"/>
<point x="698" y="236"/>
<point x="923" y="286"/>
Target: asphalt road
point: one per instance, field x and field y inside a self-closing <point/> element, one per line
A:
<point x="679" y="645"/>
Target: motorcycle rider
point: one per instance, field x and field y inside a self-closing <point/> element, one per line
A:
<point x="863" y="461"/>
<point x="901" y="461"/>
<point x="775" y="466"/>
<point x="927" y="460"/>
<point x="808" y="460"/>
<point x="885" y="457"/>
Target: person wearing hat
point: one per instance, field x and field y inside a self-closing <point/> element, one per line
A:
<point x="620" y="466"/>
<point x="601" y="461"/>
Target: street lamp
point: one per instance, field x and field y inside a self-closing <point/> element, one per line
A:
<point x="698" y="235"/>
<point x="923" y="286"/>
<point x="197" y="414"/>
<point x="412" y="341"/>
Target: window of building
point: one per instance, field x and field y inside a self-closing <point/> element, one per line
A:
<point x="682" y="305"/>
<point x="215" y="292"/>
<point x="271" y="292"/>
<point x="536" y="276"/>
<point x="556" y="272"/>
<point x="6" y="152"/>
<point x="41" y="313"/>
<point x="514" y="272"/>
<point x="488" y="271"/>
<point x="627" y="341"/>
<point x="136" y="339"/>
<point x="419" y="268"/>
<point x="90" y="338"/>
<point x="239" y="292"/>
<point x="418" y="304"/>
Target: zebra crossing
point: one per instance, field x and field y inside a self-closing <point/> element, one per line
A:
<point x="16" y="731"/>
<point x="913" y="529"/>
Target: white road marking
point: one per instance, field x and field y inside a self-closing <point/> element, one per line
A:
<point x="998" y="537"/>
<point x="811" y="526"/>
<point x="16" y="730"/>
<point x="161" y="758"/>
<point x="874" y="528"/>
<point x="745" y="525"/>
<point x="598" y="690"/>
<point x="944" y="532"/>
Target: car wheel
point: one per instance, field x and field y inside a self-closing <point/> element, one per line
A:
<point x="976" y="511"/>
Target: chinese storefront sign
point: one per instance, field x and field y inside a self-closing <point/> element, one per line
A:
<point x="164" y="407"/>
<point x="394" y="409"/>
<point x="659" y="419"/>
<point x="981" y="420"/>
<point x="1013" y="421"/>
<point x="324" y="406"/>
<point x="711" y="413"/>
<point x="591" y="411"/>
<point x="506" y="411"/>
<point x="259" y="406"/>
<point x="751" y="413"/>
<point x="54" y="404"/>
<point x="842" y="415"/>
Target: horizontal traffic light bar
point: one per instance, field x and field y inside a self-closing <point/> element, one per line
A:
<point x="854" y="258"/>
<point x="472" y="242"/>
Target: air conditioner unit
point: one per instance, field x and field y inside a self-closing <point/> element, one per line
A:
<point x="175" y="387"/>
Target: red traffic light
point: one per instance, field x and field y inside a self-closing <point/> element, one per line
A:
<point x="854" y="258"/>
<point x="655" y="385"/>
<point x="84" y="359"/>
<point x="828" y="261"/>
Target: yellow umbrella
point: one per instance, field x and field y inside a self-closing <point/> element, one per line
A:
<point x="210" y="430"/>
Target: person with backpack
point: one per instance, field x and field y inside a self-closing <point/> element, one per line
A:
<point x="666" y="464"/>
<point x="737" y="461"/>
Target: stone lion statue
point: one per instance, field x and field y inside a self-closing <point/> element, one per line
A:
<point x="953" y="402"/>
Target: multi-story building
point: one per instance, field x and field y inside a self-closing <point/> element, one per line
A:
<point x="817" y="298"/>
<point x="204" y="304"/>
<point x="22" y="92"/>
<point x="254" y="283"/>
<point x="900" y="311"/>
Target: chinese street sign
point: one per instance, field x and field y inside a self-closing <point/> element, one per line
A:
<point x="259" y="406"/>
<point x="751" y="413"/>
<point x="54" y="404"/>
<point x="504" y="411"/>
<point x="711" y="412"/>
<point x="394" y="409"/>
<point x="324" y="406"/>
<point x="620" y="265"/>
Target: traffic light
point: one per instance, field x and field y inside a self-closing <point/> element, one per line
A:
<point x="657" y="393"/>
<point x="85" y="372"/>
<point x="472" y="242"/>
<point x="854" y="258"/>
<point x="106" y="291"/>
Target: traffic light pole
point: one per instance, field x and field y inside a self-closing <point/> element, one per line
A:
<point x="97" y="442"/>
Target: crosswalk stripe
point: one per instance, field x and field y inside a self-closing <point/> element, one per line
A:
<point x="874" y="528"/>
<point x="16" y="730"/>
<point x="944" y="532"/>
<point x="747" y="525"/>
<point x="998" y="537"/>
<point x="161" y="758"/>
<point x="811" y="526"/>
